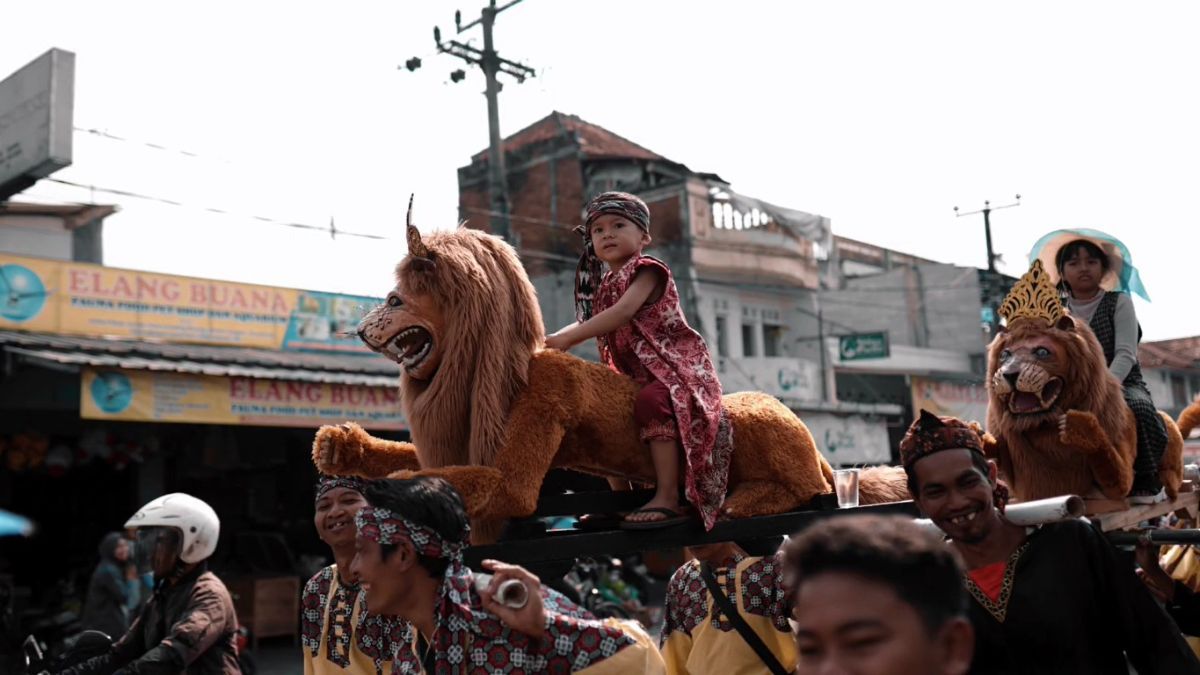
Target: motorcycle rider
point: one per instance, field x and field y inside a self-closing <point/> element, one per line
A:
<point x="188" y="627"/>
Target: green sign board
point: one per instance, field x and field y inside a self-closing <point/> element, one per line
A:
<point x="863" y="346"/>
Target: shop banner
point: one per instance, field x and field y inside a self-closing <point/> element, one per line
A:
<point x="967" y="401"/>
<point x="849" y="440"/>
<point x="83" y="299"/>
<point x="149" y="396"/>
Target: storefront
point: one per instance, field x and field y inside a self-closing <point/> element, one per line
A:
<point x="119" y="386"/>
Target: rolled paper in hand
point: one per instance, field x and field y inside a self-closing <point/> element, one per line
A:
<point x="512" y="593"/>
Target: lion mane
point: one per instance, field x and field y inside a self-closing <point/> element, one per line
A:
<point x="496" y="325"/>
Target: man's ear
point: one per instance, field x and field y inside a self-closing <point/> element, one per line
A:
<point x="955" y="646"/>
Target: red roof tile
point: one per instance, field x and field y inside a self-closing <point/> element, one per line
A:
<point x="1177" y="353"/>
<point x="595" y="141"/>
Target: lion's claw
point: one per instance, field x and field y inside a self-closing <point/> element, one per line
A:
<point x="335" y="448"/>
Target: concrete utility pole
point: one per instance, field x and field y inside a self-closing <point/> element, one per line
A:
<point x="492" y="65"/>
<point x="991" y="255"/>
<point x="987" y="225"/>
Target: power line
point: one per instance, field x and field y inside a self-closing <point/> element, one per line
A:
<point x="156" y="146"/>
<point x="330" y="228"/>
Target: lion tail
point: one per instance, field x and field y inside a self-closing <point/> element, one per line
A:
<point x="1170" y="470"/>
<point x="882" y="484"/>
<point x="1190" y="418"/>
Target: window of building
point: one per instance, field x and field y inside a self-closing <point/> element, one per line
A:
<point x="1179" y="390"/>
<point x="772" y="340"/>
<point x="722" y="337"/>
<point x="748" y="339"/>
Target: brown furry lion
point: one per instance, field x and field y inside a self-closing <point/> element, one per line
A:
<point x="492" y="412"/>
<point x="1190" y="418"/>
<point x="1058" y="417"/>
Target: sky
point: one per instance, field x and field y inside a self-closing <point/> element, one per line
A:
<point x="882" y="116"/>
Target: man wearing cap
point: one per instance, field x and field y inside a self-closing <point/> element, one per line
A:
<point x="1049" y="599"/>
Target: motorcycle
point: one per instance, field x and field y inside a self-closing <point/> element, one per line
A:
<point x="89" y="643"/>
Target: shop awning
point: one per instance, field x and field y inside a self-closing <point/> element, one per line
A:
<point x="58" y="351"/>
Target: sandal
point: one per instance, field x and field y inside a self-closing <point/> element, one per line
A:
<point x="670" y="518"/>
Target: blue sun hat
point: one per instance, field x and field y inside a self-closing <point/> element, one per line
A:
<point x="1121" y="275"/>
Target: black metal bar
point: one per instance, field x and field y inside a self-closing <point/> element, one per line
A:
<point x="604" y="501"/>
<point x="1156" y="537"/>
<point x="570" y="544"/>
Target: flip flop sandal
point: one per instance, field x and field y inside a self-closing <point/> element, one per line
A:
<point x="671" y="518"/>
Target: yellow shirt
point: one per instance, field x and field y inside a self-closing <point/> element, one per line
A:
<point x="333" y="617"/>
<point x="698" y="640"/>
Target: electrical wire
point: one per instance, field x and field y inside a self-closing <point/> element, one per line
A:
<point x="331" y="229"/>
<point x="156" y="146"/>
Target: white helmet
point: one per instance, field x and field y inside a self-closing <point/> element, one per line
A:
<point x="194" y="519"/>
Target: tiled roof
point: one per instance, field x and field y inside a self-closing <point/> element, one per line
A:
<point x="1177" y="353"/>
<point x="594" y="141"/>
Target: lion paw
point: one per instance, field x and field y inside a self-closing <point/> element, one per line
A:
<point x="337" y="450"/>
<point x="1080" y="429"/>
<point x="403" y="474"/>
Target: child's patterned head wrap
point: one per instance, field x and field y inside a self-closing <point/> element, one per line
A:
<point x="588" y="272"/>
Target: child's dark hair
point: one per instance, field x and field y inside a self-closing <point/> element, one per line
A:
<point x="432" y="502"/>
<point x="1073" y="248"/>
<point x="892" y="550"/>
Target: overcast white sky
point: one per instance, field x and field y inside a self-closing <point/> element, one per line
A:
<point x="880" y="115"/>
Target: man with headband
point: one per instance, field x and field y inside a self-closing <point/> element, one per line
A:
<point x="410" y="542"/>
<point x="337" y="634"/>
<point x="1050" y="599"/>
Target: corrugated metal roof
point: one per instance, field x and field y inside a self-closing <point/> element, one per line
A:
<point x="65" y="350"/>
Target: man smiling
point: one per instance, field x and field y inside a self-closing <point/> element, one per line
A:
<point x="1052" y="599"/>
<point x="410" y="539"/>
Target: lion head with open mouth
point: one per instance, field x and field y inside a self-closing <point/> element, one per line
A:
<point x="458" y="295"/>
<point x="1045" y="363"/>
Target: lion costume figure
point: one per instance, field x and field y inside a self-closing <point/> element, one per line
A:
<point x="1058" y="422"/>
<point x="492" y="412"/>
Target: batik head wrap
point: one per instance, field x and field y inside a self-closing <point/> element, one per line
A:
<point x="325" y="483"/>
<point x="589" y="271"/>
<point x="574" y="639"/>
<point x="929" y="434"/>
<point x="453" y="613"/>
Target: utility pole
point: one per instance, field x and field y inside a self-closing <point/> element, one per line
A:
<point x="992" y="276"/>
<point x="492" y="65"/>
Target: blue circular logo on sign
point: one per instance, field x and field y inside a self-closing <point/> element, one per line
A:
<point x="112" y="392"/>
<point x="22" y="294"/>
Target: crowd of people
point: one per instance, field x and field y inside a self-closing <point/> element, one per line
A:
<point x="852" y="594"/>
